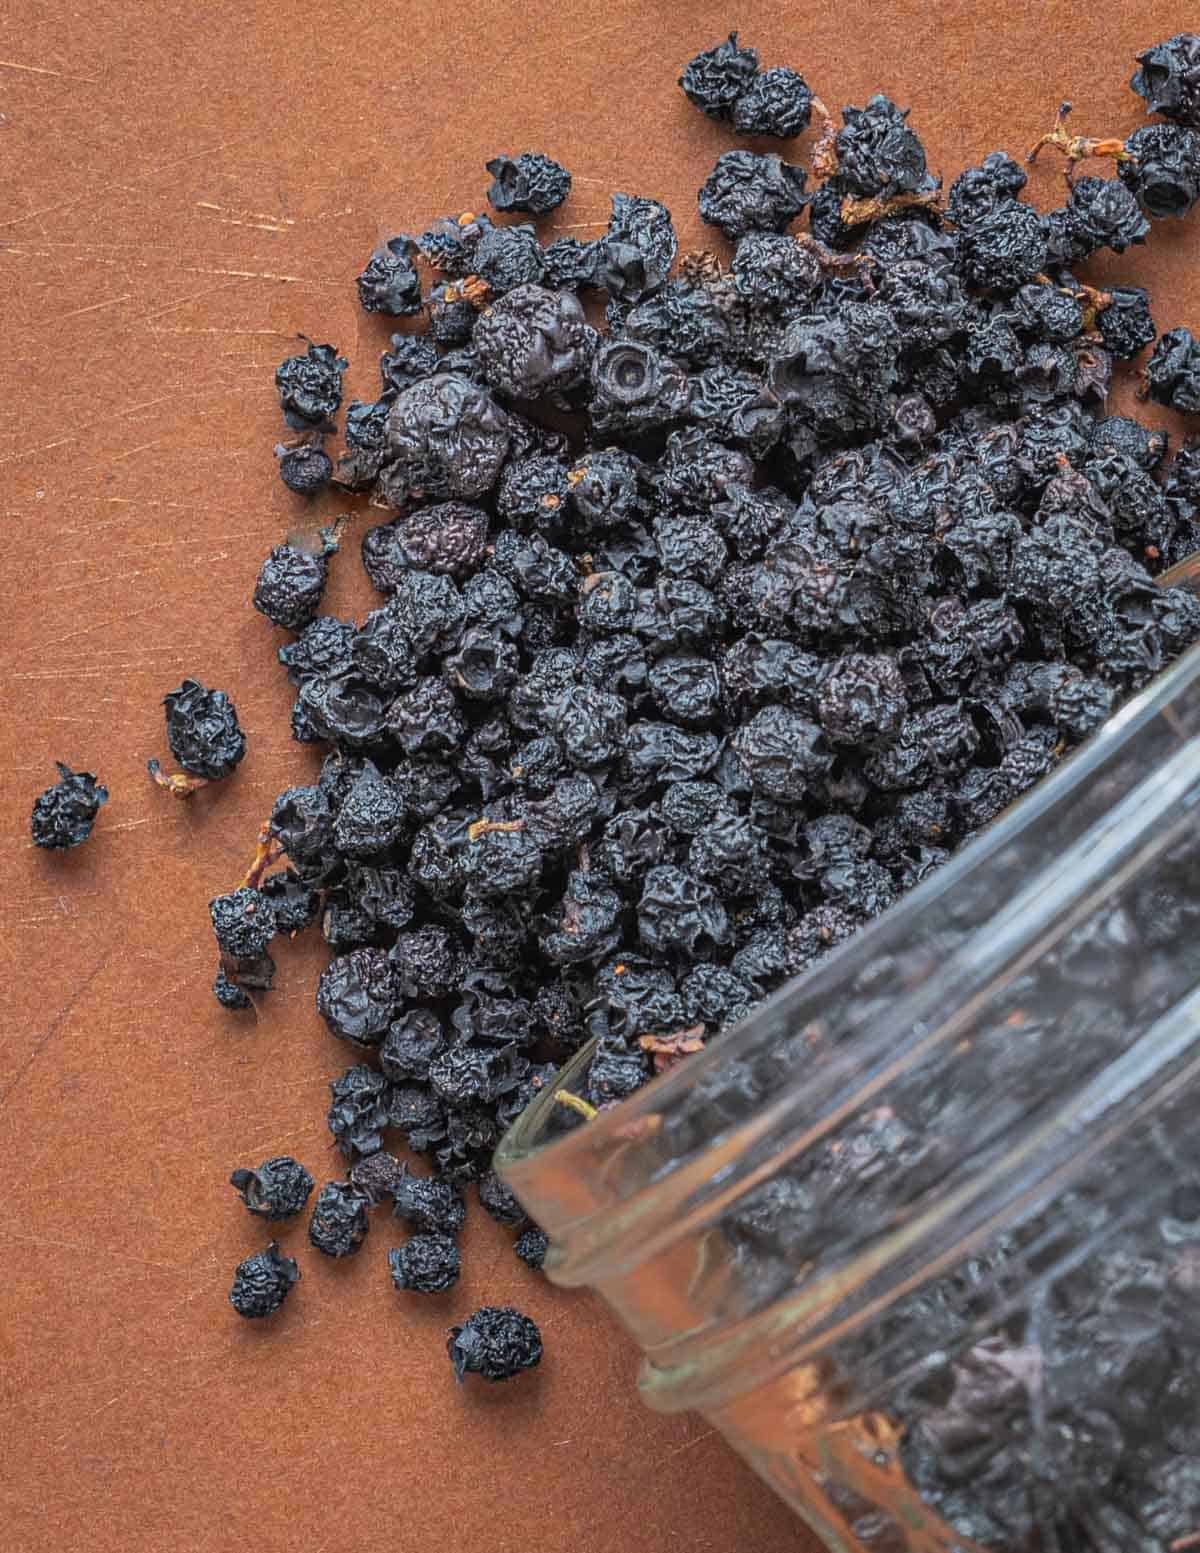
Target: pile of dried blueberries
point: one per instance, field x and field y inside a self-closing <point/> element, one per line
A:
<point x="722" y="599"/>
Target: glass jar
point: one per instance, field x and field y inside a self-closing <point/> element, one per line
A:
<point x="921" y="1237"/>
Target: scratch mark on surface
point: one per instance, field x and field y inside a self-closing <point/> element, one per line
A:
<point x="94" y="306"/>
<point x="107" y="188"/>
<point x="54" y="1027"/>
<point x="268" y="224"/>
<point x="173" y="307"/>
<point x="266" y="275"/>
<point x="146" y="404"/>
<point x="141" y="448"/>
<point x="99" y="582"/>
<point x="99" y="625"/>
<point x="59" y="75"/>
<point x="45" y="447"/>
<point x="687" y="1444"/>
<point x="73" y="1245"/>
<point x="259" y="215"/>
<point x="282" y="334"/>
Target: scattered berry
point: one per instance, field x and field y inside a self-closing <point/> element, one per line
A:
<point x="64" y="814"/>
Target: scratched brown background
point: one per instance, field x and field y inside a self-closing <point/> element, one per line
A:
<point x="183" y="189"/>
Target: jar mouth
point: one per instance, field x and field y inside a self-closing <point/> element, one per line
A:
<point x="566" y="1179"/>
<point x="528" y="1135"/>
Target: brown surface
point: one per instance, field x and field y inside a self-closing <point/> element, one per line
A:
<point x="183" y="190"/>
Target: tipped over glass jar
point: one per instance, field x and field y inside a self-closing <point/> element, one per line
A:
<point x="922" y="1236"/>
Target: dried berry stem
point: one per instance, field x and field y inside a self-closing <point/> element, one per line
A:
<point x="1077" y="148"/>
<point x="489" y="827"/>
<point x="266" y="851"/>
<point x="575" y="1103"/>
<point x="824" y="153"/>
<point x="831" y="263"/>
<point x="855" y="212"/>
<point x="180" y="784"/>
<point x="472" y="288"/>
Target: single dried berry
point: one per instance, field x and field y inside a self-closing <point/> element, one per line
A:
<point x="291" y="581"/>
<point x="339" y="1220"/>
<point x="295" y="905"/>
<point x="446" y="440"/>
<point x="310" y="386"/>
<point x="533" y="341"/>
<point x="782" y="753"/>
<point x="977" y="191"/>
<point x="243" y="922"/>
<point x="1102" y="213"/>
<point x="278" y="1189"/>
<point x="304" y="469"/>
<point x="777" y="102"/>
<point x="390" y="283"/>
<point x="203" y="731"/>
<point x="1173" y="371"/>
<point x="1169" y="79"/>
<point x="431" y="1206"/>
<point x="376" y="1174"/>
<point x="877" y="153"/>
<point x="508" y="256"/>
<point x="356" y="996"/>
<point x="1125" y="323"/>
<point x="680" y="915"/>
<point x="636" y="253"/>
<point x="862" y="700"/>
<point x="751" y="192"/>
<point x="1162" y="168"/>
<point x="447" y="539"/>
<point x="714" y="80"/>
<point x="498" y="1201"/>
<point x="262" y="1283"/>
<point x="64" y="814"/>
<point x="531" y="1247"/>
<point x="359" y="1111"/>
<point x="531" y="182"/>
<point x="496" y="1342"/>
<point x="410" y="358"/>
<point x="371" y="816"/>
<point x="1004" y="250"/>
<point x="425" y="1264"/>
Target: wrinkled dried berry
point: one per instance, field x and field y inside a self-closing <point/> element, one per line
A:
<point x="339" y="1221"/>
<point x="64" y="814"/>
<point x="1169" y="79"/>
<point x="310" y="386"/>
<point x="495" y="1342"/>
<point x="390" y="284"/>
<point x="530" y="182"/>
<point x="749" y="192"/>
<point x="431" y="1206"/>
<point x="424" y="1264"/>
<point x="777" y="102"/>
<point x="278" y="1189"/>
<point x="714" y="80"/>
<point x="203" y="730"/>
<point x="262" y="1283"/>
<point x="356" y="996"/>
<point x="531" y="1247"/>
<point x="243" y="922"/>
